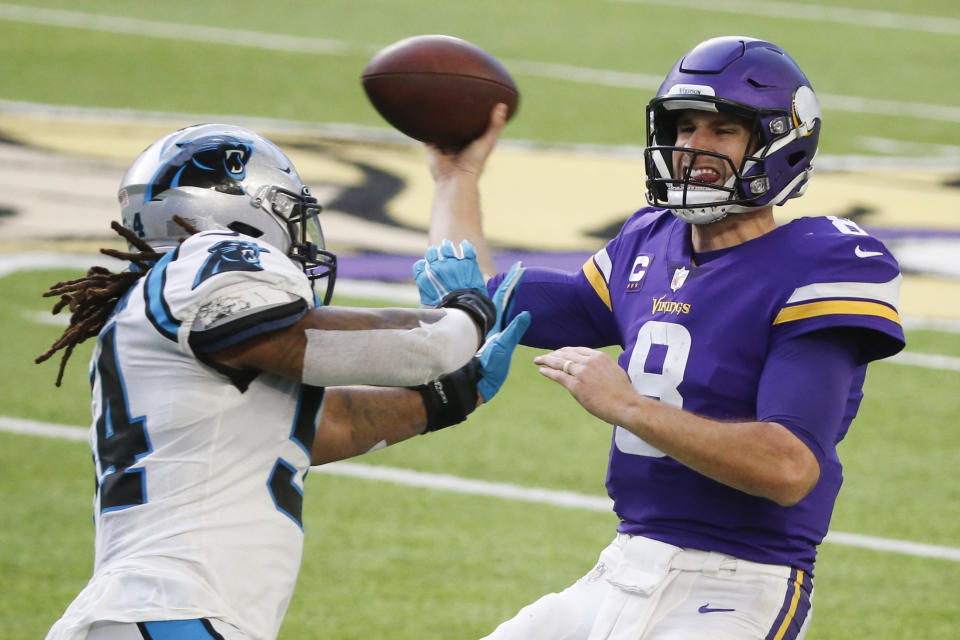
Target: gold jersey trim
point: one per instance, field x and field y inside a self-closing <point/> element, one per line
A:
<point x="836" y="307"/>
<point x="595" y="278"/>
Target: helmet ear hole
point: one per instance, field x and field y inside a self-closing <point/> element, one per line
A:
<point x="796" y="158"/>
<point x="245" y="229"/>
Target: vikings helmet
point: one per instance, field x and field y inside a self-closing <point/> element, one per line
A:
<point x="218" y="176"/>
<point x="752" y="79"/>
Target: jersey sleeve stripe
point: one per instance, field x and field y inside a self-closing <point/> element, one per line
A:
<point x="597" y="281"/>
<point x="836" y="307"/>
<point x="888" y="292"/>
<point x="157" y="309"/>
<point x="248" y="326"/>
<point x="602" y="259"/>
<point x="197" y="629"/>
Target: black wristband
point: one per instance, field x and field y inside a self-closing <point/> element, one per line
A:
<point x="476" y="304"/>
<point x="451" y="398"/>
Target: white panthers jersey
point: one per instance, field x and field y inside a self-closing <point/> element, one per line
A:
<point x="199" y="470"/>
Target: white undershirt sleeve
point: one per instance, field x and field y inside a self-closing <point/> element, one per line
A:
<point x="389" y="357"/>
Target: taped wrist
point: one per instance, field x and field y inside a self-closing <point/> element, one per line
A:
<point x="451" y="398"/>
<point x="476" y="304"/>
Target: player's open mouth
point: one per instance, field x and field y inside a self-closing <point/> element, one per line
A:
<point x="705" y="175"/>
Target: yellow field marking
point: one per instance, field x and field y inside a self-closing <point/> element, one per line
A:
<point x="534" y="198"/>
<point x="543" y="199"/>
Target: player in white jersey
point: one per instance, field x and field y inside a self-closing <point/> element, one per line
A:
<point x="219" y="377"/>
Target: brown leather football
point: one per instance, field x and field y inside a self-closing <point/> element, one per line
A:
<point x="438" y="89"/>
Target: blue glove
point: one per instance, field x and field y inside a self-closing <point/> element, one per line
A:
<point x="496" y="353"/>
<point x="442" y="271"/>
<point x="503" y="296"/>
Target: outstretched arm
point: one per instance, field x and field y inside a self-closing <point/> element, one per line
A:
<point x="456" y="213"/>
<point x="357" y="420"/>
<point x="337" y="346"/>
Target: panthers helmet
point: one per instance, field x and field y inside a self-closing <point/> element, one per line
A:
<point x="219" y="176"/>
<point x="752" y="79"/>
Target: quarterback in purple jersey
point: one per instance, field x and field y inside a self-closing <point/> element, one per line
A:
<point x="745" y="347"/>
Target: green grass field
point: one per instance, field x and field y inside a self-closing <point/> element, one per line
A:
<point x="391" y="561"/>
<point x="165" y="72"/>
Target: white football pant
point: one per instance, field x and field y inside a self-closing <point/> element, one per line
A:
<point x="642" y="589"/>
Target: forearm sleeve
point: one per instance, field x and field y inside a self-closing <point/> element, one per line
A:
<point x="389" y="357"/>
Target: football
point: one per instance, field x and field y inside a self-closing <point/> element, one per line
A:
<point x="438" y="89"/>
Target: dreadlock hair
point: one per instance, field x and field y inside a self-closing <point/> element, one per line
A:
<point x="93" y="297"/>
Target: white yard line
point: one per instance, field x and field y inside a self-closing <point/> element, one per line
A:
<point x="457" y="484"/>
<point x="817" y="13"/>
<point x="325" y="46"/>
<point x="46" y="429"/>
<point x="35" y="260"/>
<point x="909" y="148"/>
<point x="504" y="490"/>
<point x="931" y="324"/>
<point x="178" y="31"/>
<point x="925" y="360"/>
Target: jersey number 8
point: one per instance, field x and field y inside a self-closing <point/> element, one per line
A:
<point x="662" y="385"/>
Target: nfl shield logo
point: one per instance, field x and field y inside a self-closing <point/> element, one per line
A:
<point x="679" y="277"/>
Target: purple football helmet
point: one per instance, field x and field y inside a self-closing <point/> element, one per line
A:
<point x="752" y="79"/>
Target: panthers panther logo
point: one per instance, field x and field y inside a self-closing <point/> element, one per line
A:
<point x="211" y="162"/>
<point x="230" y="255"/>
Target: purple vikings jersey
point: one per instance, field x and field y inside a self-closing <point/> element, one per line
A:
<point x="697" y="338"/>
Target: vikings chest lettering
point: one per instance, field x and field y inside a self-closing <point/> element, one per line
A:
<point x="674" y="307"/>
<point x="656" y="306"/>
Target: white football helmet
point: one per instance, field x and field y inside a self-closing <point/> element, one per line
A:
<point x="220" y="176"/>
